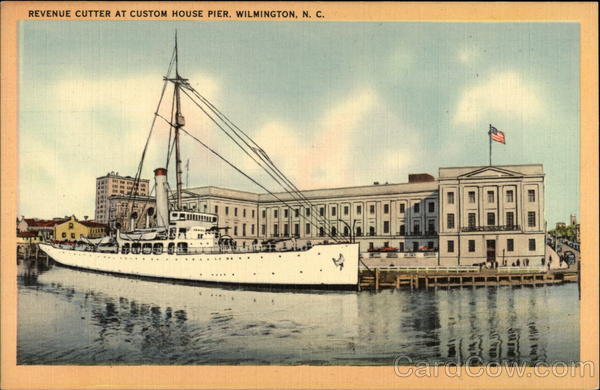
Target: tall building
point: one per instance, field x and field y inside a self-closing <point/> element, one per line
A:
<point x="114" y="185"/>
<point x="467" y="216"/>
<point x="491" y="214"/>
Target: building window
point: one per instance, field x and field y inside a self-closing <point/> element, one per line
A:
<point x="244" y="230"/>
<point x="275" y="213"/>
<point x="402" y="230"/>
<point x="226" y="210"/>
<point x="510" y="218"/>
<point x="244" y="213"/>
<point x="531" y="195"/>
<point x="450" y="246"/>
<point x="510" y="196"/>
<point x="285" y="213"/>
<point x="235" y="231"/>
<point x="264" y="213"/>
<point x="471" y="196"/>
<point x="322" y="211"/>
<point x="450" y="197"/>
<point x="346" y="231"/>
<point x="333" y="211"/>
<point x="296" y="213"/>
<point x="358" y="210"/>
<point x="416" y="227"/>
<point x="321" y="231"/>
<point x="307" y="212"/>
<point x="532" y="244"/>
<point x="531" y="218"/>
<point x="333" y="231"/>
<point x="386" y="226"/>
<point x="307" y="228"/>
<point x="510" y="245"/>
<point x="70" y="225"/>
<point x="286" y="230"/>
<point x="431" y="207"/>
<point x="235" y="212"/>
<point x="296" y="229"/>
<point x="252" y="229"/>
<point x="491" y="219"/>
<point x="72" y="235"/>
<point x="372" y="209"/>
<point x="471" y="245"/>
<point x="416" y="207"/>
<point x="358" y="231"/>
<point x="275" y="229"/>
<point x="430" y="244"/>
<point x="402" y="208"/>
<point x="415" y="246"/>
<point x="431" y="226"/>
<point x="471" y="220"/>
<point x="401" y="247"/>
<point x="450" y="221"/>
<point x="490" y="196"/>
<point x="371" y="230"/>
<point x="64" y="235"/>
<point x="386" y="208"/>
<point x="252" y="213"/>
<point x="371" y="247"/>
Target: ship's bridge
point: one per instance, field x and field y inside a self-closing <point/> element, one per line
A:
<point x="192" y="218"/>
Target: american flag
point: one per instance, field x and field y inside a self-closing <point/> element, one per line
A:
<point x="497" y="135"/>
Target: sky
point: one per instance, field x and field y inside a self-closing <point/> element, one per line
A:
<point x="333" y="103"/>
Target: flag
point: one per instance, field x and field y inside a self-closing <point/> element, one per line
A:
<point x="497" y="135"/>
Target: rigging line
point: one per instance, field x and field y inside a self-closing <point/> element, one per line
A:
<point x="262" y="155"/>
<point x="294" y="192"/>
<point x="238" y="170"/>
<point x="248" y="154"/>
<point x="136" y="179"/>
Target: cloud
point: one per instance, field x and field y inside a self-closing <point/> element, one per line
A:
<point x="505" y="94"/>
<point x="352" y="143"/>
<point x="80" y="128"/>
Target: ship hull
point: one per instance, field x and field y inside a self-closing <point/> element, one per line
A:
<point x="310" y="268"/>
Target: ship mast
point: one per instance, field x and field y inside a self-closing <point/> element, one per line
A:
<point x="179" y="122"/>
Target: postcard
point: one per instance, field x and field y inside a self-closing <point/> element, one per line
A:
<point x="299" y="195"/>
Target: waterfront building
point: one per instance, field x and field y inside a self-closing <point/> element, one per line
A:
<point x="72" y="229"/>
<point x="28" y="238"/>
<point x="468" y="215"/>
<point x="112" y="184"/>
<point x="41" y="227"/>
<point x="493" y="213"/>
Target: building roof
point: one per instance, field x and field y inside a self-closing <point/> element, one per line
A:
<point x="44" y="223"/>
<point x="523" y="170"/>
<point x="27" y="234"/>
<point x="92" y="224"/>
<point x="368" y="190"/>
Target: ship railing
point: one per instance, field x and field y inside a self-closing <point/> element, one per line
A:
<point x="428" y="269"/>
<point x="530" y="269"/>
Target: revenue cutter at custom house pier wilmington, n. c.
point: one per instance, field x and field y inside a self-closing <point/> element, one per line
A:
<point x="189" y="245"/>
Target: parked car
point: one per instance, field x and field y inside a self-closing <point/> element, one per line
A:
<point x="569" y="257"/>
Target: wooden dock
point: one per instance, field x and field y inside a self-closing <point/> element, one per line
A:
<point x="376" y="279"/>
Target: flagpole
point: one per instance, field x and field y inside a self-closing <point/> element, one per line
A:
<point x="490" y="137"/>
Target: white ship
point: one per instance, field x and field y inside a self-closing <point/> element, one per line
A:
<point x="188" y="245"/>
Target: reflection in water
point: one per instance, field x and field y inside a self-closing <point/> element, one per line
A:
<point x="75" y="317"/>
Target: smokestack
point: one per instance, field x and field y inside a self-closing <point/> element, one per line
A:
<point x="162" y="197"/>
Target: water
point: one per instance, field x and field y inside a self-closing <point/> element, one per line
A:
<point x="67" y="316"/>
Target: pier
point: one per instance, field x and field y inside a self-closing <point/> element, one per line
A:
<point x="445" y="277"/>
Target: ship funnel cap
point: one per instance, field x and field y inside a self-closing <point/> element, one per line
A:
<point x="160" y="172"/>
